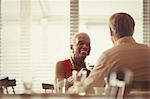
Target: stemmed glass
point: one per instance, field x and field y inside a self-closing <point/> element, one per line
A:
<point x="27" y="83"/>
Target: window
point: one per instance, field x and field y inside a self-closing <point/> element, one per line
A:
<point x="94" y="16"/>
<point x="33" y="38"/>
<point x="35" y="35"/>
<point x="146" y="21"/>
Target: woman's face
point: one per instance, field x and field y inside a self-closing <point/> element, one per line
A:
<point x="81" y="46"/>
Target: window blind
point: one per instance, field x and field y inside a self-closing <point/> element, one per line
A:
<point x="0" y="35"/>
<point x="10" y="46"/>
<point x="146" y="21"/>
<point x="74" y="17"/>
<point x="32" y="42"/>
<point x="25" y="30"/>
<point x="35" y="34"/>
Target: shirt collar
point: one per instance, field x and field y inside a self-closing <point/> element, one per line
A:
<point x="126" y="39"/>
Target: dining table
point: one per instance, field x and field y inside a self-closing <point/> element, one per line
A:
<point x="68" y="96"/>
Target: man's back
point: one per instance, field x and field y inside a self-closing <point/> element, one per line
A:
<point x="129" y="54"/>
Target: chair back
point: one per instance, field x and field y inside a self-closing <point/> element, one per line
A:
<point x="10" y="83"/>
<point x="46" y="87"/>
<point x="117" y="81"/>
<point x="5" y="83"/>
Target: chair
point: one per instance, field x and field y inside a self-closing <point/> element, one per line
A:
<point x="5" y="83"/>
<point x="10" y="83"/>
<point x="46" y="87"/>
<point x="117" y="81"/>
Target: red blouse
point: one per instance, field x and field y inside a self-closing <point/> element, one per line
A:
<point x="68" y="69"/>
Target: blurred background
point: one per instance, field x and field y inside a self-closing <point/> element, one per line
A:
<point x="35" y="34"/>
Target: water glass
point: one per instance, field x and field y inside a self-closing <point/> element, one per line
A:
<point x="27" y="87"/>
<point x="61" y="85"/>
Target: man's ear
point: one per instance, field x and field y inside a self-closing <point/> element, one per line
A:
<point x="71" y="48"/>
<point x="111" y="33"/>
